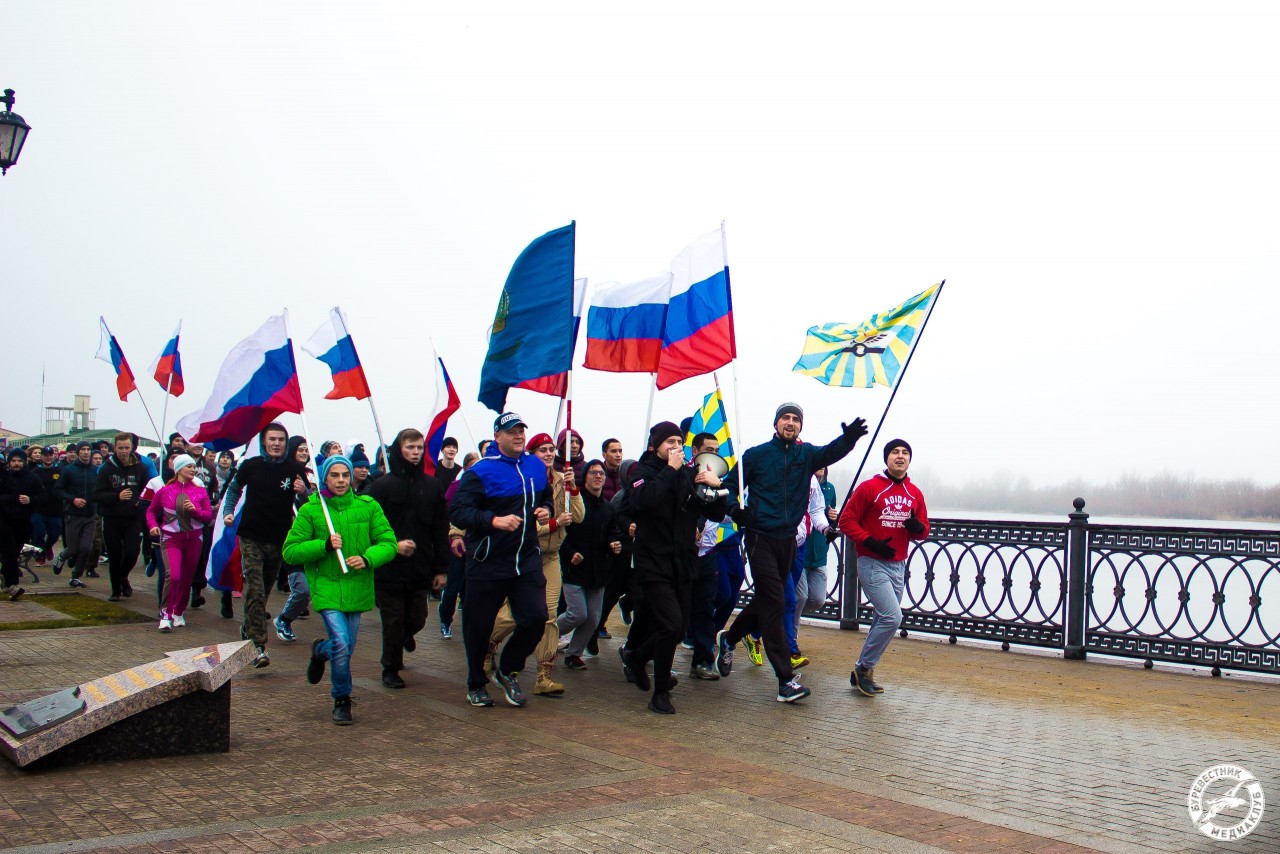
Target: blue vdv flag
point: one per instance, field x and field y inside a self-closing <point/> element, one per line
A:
<point x="532" y="334"/>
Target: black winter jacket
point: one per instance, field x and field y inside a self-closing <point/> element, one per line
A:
<point x="414" y="504"/>
<point x="78" y="480"/>
<point x="113" y="478"/>
<point x="776" y="475"/>
<point x="667" y="512"/>
<point x="590" y="538"/>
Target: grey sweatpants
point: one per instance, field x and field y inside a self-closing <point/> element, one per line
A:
<point x="581" y="615"/>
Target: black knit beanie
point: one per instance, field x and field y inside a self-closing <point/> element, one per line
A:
<point x="662" y="431"/>
<point x="896" y="443"/>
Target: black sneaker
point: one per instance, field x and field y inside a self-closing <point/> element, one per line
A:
<point x="574" y="662"/>
<point x="58" y="563"/>
<point x="446" y="631"/>
<point x="114" y="597"/>
<point x="261" y="660"/>
<point x="75" y="582"/>
<point x="789" y="692"/>
<point x="15" y="592"/>
<point x="227" y="612"/>
<point x="639" y="675"/>
<point x="661" y="703"/>
<point x="409" y="643"/>
<point x="342" y="711"/>
<point x="90" y="573"/>
<point x="724" y="653"/>
<point x="861" y="678"/>
<point x="315" y="667"/>
<point x="392" y="679"/>
<point x="593" y="645"/>
<point x="626" y="665"/>
<point x="511" y="687"/>
<point x="127" y="590"/>
<point x="704" y="671"/>
<point x="479" y="697"/>
<point x="624" y="608"/>
<point x="196" y="600"/>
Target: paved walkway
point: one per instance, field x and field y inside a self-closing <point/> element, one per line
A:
<point x="969" y="750"/>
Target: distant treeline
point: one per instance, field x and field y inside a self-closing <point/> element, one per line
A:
<point x="1164" y="496"/>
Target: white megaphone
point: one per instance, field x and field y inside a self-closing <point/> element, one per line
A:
<point x="716" y="464"/>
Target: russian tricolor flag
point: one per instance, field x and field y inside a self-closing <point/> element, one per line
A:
<point x="167" y="368"/>
<point x="223" y="570"/>
<point x="435" y="433"/>
<point x="697" y="337"/>
<point x="332" y="345"/>
<point x="624" y="326"/>
<point x="258" y="381"/>
<point x="109" y="351"/>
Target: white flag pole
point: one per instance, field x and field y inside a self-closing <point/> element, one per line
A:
<point x="306" y="434"/>
<point x="737" y="413"/>
<point x="377" y="425"/>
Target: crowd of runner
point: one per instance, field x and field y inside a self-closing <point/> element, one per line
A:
<point x="539" y="548"/>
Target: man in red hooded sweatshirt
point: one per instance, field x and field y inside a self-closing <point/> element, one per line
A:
<point x="884" y="513"/>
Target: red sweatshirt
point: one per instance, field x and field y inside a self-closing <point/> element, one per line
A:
<point x="878" y="508"/>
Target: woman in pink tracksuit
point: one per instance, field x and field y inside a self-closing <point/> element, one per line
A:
<point x="177" y="515"/>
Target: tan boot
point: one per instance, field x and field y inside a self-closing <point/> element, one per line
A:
<point x="545" y="684"/>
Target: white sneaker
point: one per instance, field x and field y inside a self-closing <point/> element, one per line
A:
<point x="563" y="642"/>
<point x="179" y="622"/>
<point x="165" y="625"/>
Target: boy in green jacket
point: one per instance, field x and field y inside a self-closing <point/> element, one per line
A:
<point x="339" y="593"/>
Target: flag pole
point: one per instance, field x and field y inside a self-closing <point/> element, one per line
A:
<point x="377" y="425"/>
<point x="306" y="435"/>
<point x="164" y="413"/>
<point x="892" y="394"/>
<point x="648" y="413"/>
<point x="462" y="410"/>
<point x="733" y="363"/>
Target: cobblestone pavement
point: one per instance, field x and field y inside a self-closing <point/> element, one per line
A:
<point x="969" y="750"/>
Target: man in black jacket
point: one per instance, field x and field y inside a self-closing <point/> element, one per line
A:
<point x="47" y="519"/>
<point x="271" y="480"/>
<point x="118" y="492"/>
<point x="75" y="488"/>
<point x="18" y="499"/>
<point x="666" y="505"/>
<point x="776" y="475"/>
<point x="414" y="504"/>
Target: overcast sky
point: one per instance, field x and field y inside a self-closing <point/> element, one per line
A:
<point x="1097" y="183"/>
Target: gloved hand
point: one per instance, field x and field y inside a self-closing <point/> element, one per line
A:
<point x="739" y="516"/>
<point x="879" y="548"/>
<point x="913" y="525"/>
<point x="856" y="430"/>
<point x="832" y="534"/>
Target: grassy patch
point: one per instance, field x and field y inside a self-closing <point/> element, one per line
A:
<point x="80" y="610"/>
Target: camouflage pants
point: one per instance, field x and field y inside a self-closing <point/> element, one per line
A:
<point x="260" y="564"/>
<point x="505" y="623"/>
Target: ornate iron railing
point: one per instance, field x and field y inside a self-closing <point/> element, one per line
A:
<point x="1191" y="596"/>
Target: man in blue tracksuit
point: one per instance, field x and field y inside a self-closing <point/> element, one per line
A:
<point x="776" y="476"/>
<point x="499" y="502"/>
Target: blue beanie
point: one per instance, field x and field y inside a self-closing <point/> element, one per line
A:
<point x="329" y="463"/>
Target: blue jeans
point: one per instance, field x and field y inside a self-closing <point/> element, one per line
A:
<point x="46" y="529"/>
<point x="342" y="627"/>
<point x="882" y="582"/>
<point x="299" y="595"/>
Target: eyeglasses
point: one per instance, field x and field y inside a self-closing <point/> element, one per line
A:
<point x="596" y="473"/>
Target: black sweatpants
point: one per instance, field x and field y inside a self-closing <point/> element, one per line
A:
<point x="771" y="559"/>
<point x="403" y="613"/>
<point x="122" y="537"/>
<point x="528" y="598"/>
<point x="662" y="620"/>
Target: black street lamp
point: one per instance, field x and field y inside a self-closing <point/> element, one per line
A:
<point x="13" y="133"/>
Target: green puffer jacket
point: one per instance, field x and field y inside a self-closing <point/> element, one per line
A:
<point x="364" y="531"/>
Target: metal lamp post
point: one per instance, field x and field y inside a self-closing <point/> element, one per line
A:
<point x="13" y="133"/>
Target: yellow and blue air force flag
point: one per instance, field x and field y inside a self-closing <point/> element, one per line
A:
<point x="711" y="418"/>
<point x="871" y="352"/>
